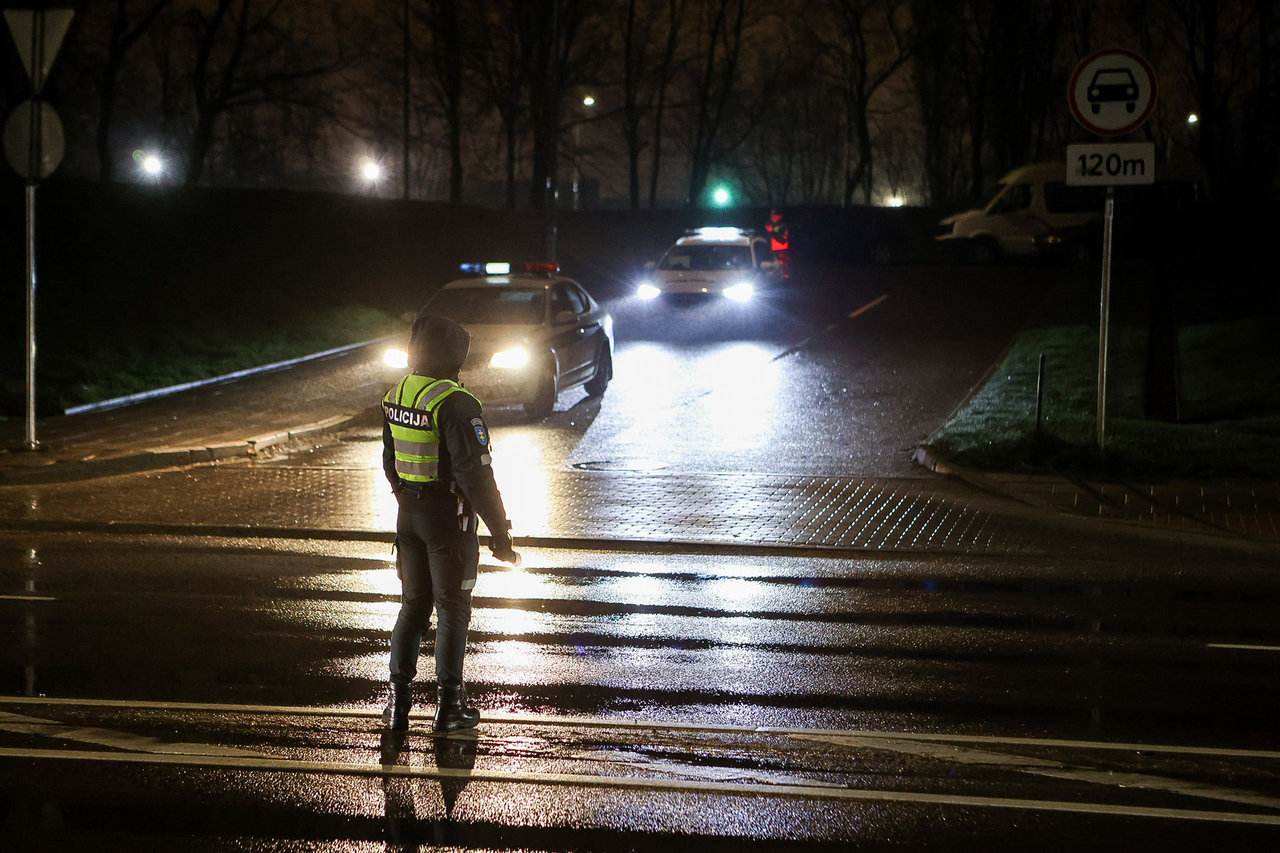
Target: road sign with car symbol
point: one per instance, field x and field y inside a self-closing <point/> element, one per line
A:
<point x="1112" y="92"/>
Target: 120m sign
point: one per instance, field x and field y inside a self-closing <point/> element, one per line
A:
<point x="1111" y="164"/>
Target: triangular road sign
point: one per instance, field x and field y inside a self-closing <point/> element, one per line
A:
<point x="38" y="33"/>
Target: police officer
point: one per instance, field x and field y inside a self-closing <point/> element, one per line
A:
<point x="779" y="231"/>
<point x="435" y="452"/>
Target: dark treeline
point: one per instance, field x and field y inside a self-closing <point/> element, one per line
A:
<point x="784" y="101"/>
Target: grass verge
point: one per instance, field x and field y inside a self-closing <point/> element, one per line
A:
<point x="143" y="357"/>
<point x="1229" y="411"/>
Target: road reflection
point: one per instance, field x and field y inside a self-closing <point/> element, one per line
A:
<point x="691" y="401"/>
<point x="519" y="468"/>
<point x="382" y="502"/>
<point x="406" y="831"/>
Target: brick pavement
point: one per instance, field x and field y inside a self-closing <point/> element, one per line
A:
<point x="924" y="514"/>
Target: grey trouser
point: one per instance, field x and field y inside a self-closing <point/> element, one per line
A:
<point x="438" y="564"/>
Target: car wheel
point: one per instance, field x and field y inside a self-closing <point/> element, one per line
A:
<point x="604" y="372"/>
<point x="983" y="251"/>
<point x="543" y="401"/>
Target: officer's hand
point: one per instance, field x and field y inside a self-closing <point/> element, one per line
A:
<point x="503" y="550"/>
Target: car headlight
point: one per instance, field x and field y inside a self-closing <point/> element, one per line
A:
<point x="741" y="292"/>
<point x="648" y="291"/>
<point x="510" y="359"/>
<point x="396" y="358"/>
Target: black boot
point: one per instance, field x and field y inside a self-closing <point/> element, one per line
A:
<point x="452" y="711"/>
<point x="396" y="715"/>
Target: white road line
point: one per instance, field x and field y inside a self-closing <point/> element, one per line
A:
<point x="872" y="304"/>
<point x="1244" y="646"/>
<point x="640" y="784"/>
<point x="650" y="725"/>
<point x="797" y="347"/>
<point x="1054" y="769"/>
<point x="19" y="724"/>
<point x="27" y="598"/>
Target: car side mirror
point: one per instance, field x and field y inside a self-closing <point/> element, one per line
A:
<point x="564" y="318"/>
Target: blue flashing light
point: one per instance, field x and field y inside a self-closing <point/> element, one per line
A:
<point x="507" y="268"/>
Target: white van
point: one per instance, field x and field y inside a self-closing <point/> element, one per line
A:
<point x="1029" y="202"/>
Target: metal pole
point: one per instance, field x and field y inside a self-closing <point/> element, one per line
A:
<point x="34" y="170"/>
<point x="32" y="444"/>
<point x="1039" y="393"/>
<point x="1104" y="315"/>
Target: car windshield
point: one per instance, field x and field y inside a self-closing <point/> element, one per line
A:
<point x="991" y="196"/>
<point x="1113" y="77"/>
<point x="707" y="257"/>
<point x="490" y="305"/>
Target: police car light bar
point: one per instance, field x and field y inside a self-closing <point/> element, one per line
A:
<point x="506" y="268"/>
<point x="488" y="268"/>
<point x="719" y="232"/>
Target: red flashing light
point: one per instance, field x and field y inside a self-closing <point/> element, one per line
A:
<point x="541" y="267"/>
<point x="547" y="268"/>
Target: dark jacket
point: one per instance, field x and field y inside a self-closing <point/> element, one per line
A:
<point x="437" y="349"/>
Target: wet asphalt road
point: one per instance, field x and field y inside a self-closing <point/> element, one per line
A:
<point x="981" y="703"/>
<point x="223" y="688"/>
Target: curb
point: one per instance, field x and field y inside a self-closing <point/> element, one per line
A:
<point x="167" y="457"/>
<point x="926" y="457"/>
<point x="656" y="546"/>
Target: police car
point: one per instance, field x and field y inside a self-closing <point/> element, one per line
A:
<point x="534" y="333"/>
<point x="732" y="263"/>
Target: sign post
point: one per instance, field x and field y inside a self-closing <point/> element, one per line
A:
<point x="1111" y="93"/>
<point x="34" y="144"/>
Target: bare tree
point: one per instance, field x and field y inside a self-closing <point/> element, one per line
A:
<point x="987" y="75"/>
<point x="444" y="61"/>
<point x="504" y="64"/>
<point x="796" y="136"/>
<point x="1210" y="38"/>
<point x="129" y="23"/>
<point x="247" y="53"/>
<point x="649" y="33"/>
<point x="719" y="41"/>
<point x="939" y="98"/>
<point x="548" y="29"/>
<point x="870" y="42"/>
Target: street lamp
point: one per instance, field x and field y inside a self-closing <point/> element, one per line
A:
<point x="371" y="171"/>
<point x="150" y="164"/>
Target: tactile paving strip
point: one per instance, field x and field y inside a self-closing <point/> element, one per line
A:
<point x="836" y="512"/>
<point x="747" y="509"/>
<point x="879" y="514"/>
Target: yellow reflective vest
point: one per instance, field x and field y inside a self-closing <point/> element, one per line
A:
<point x="410" y="409"/>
